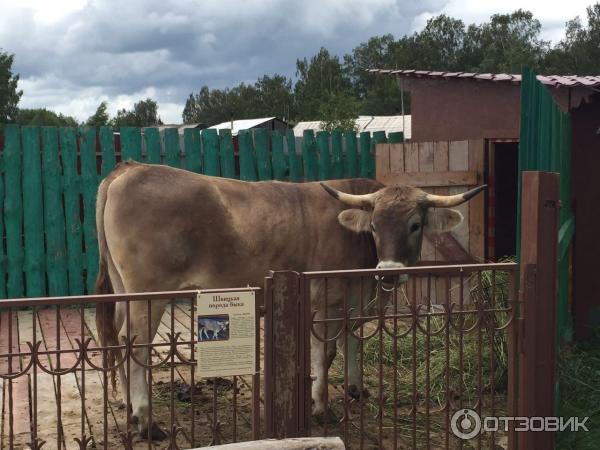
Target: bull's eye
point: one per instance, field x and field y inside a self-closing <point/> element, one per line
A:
<point x="415" y="227"/>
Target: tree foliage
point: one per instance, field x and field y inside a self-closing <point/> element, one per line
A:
<point x="268" y="97"/>
<point x="143" y="114"/>
<point x="9" y="94"/>
<point x="44" y="117"/>
<point x="100" y="117"/>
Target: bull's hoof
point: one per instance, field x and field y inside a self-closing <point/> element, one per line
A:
<point x="154" y="434"/>
<point x="358" y="394"/>
<point x="327" y="416"/>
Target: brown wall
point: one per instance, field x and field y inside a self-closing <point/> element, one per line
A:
<point x="468" y="109"/>
<point x="586" y="194"/>
<point x="455" y="110"/>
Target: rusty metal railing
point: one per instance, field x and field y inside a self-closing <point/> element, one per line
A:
<point x="55" y="389"/>
<point x="442" y="342"/>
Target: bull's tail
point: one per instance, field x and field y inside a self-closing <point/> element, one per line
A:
<point x="105" y="312"/>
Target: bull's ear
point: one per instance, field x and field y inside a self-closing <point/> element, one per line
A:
<point x="440" y="220"/>
<point x="355" y="220"/>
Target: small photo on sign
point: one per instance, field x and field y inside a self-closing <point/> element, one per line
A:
<point x="213" y="328"/>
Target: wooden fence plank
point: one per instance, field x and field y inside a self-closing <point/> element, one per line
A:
<point x="280" y="167"/>
<point x="107" y="147"/>
<point x="247" y="165"/>
<point x="458" y="160"/>
<point x="379" y="137"/>
<point x="13" y="210"/>
<point x="152" y="141"/>
<point x="324" y="158"/>
<point x="477" y="204"/>
<point x="396" y="137"/>
<point x="56" y="247"/>
<point x="131" y="144"/>
<point x="192" y="144"/>
<point x="396" y="158"/>
<point x="351" y="164"/>
<point x="428" y="247"/>
<point x="411" y="157"/>
<point x="210" y="146"/>
<point x="33" y="209"/>
<point x="382" y="161"/>
<point x="309" y="155"/>
<point x="226" y="153"/>
<point x="425" y="157"/>
<point x="89" y="187"/>
<point x="172" y="151"/>
<point x="263" y="159"/>
<point x="337" y="156"/>
<point x="295" y="163"/>
<point x="71" y="190"/>
<point x="3" y="260"/>
<point x="365" y="154"/>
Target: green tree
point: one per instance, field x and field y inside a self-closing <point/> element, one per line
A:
<point x="143" y="114"/>
<point x="317" y="80"/>
<point x="269" y="96"/>
<point x="376" y="95"/>
<point x="100" y="117"/>
<point x="44" y="117"/>
<point x="507" y="42"/>
<point x="338" y="111"/>
<point x="579" y="51"/>
<point x="9" y="94"/>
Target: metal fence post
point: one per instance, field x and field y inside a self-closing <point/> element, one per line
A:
<point x="285" y="357"/>
<point x="538" y="290"/>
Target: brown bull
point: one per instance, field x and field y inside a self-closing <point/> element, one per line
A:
<point x="161" y="228"/>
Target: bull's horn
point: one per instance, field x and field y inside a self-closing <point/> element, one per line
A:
<point x="350" y="199"/>
<point x="446" y="201"/>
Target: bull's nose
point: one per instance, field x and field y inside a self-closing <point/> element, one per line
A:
<point x="392" y="265"/>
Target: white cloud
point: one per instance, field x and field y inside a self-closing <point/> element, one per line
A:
<point x="74" y="54"/>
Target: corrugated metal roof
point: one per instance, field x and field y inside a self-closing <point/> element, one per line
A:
<point x="243" y="124"/>
<point x="549" y="80"/>
<point x="389" y="124"/>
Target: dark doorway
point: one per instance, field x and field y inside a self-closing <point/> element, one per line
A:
<point x="506" y="166"/>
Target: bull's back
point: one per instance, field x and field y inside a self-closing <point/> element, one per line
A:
<point x="171" y="229"/>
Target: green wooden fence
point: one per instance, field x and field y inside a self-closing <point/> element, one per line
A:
<point x="49" y="177"/>
<point x="545" y="144"/>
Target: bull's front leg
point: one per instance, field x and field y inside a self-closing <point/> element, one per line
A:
<point x="138" y="376"/>
<point x="354" y="371"/>
<point x="322" y="355"/>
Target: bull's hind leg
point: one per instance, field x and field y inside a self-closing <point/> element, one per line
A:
<point x="138" y="385"/>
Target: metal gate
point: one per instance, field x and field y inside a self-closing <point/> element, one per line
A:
<point x="412" y="371"/>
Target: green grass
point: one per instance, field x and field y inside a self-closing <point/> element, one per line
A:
<point x="579" y="392"/>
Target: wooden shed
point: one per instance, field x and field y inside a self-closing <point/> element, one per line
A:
<point x="470" y="123"/>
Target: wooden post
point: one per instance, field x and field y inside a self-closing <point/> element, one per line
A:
<point x="309" y="155"/>
<point x="280" y="166"/>
<point x="287" y="357"/>
<point x="226" y="153"/>
<point x="538" y="289"/>
<point x="172" y="151"/>
<point x="152" y="141"/>
<point x="247" y="165"/>
<point x="324" y="157"/>
<point x="295" y="162"/>
<point x="210" y="147"/>
<point x="193" y="149"/>
<point x="263" y="156"/>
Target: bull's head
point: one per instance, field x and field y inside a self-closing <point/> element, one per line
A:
<point x="397" y="216"/>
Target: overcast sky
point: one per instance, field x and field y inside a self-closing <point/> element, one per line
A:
<point x="73" y="54"/>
